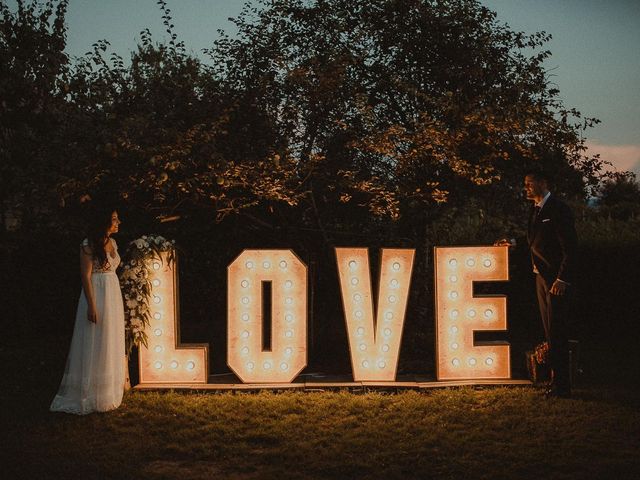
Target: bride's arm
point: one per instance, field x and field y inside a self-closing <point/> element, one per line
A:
<point x="86" y="267"/>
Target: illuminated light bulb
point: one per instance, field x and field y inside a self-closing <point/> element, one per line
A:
<point x="157" y="316"/>
<point x="362" y="347"/>
<point x="244" y="283"/>
<point x="453" y="279"/>
<point x="249" y="265"/>
<point x="354" y="281"/>
<point x="157" y="332"/>
<point x="245" y="317"/>
<point x="156" y="283"/>
<point x="158" y="348"/>
<point x="488" y="313"/>
<point x="288" y="317"/>
<point x="392" y="298"/>
<point x="266" y="265"/>
<point x="454" y="329"/>
<point x="288" y="284"/>
<point x="158" y="365"/>
<point x="357" y="297"/>
<point x="245" y="334"/>
<point x="387" y="332"/>
<point x="396" y="266"/>
<point x="489" y="361"/>
<point x="472" y="361"/>
<point x="156" y="299"/>
<point x="470" y="262"/>
<point x="283" y="264"/>
<point x="250" y="366"/>
<point x="245" y="300"/>
<point x="471" y="313"/>
<point x="174" y="365"/>
<point x="288" y="351"/>
<point x="358" y="314"/>
<point x="454" y="313"/>
<point x="453" y="262"/>
<point x="453" y="294"/>
<point x="487" y="263"/>
<point x="365" y="364"/>
<point x="288" y="333"/>
<point x="353" y="264"/>
<point x="288" y="300"/>
<point x="156" y="266"/>
<point x="455" y="362"/>
<point x="284" y="366"/>
<point x="266" y="365"/>
<point x="191" y="365"/>
<point x="454" y="346"/>
<point x="245" y="350"/>
<point x="360" y="331"/>
<point x="388" y="316"/>
<point x="385" y="348"/>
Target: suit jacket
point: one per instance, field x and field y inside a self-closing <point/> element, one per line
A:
<point x="553" y="241"/>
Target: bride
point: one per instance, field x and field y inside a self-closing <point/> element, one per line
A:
<point x="95" y="374"/>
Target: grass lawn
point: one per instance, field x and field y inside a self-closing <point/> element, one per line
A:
<point x="487" y="433"/>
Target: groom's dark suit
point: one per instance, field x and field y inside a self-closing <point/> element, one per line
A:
<point x="553" y="243"/>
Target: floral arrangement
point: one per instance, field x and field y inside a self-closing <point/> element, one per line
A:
<point x="538" y="364"/>
<point x="541" y="353"/>
<point x="136" y="286"/>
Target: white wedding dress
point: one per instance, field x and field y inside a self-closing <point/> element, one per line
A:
<point x="94" y="377"/>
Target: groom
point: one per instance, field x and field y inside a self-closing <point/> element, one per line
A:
<point x="552" y="241"/>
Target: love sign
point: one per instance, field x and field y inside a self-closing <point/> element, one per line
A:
<point x="374" y="324"/>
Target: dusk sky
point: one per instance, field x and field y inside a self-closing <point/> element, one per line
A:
<point x="595" y="46"/>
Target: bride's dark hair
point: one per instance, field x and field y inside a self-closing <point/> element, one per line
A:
<point x="99" y="224"/>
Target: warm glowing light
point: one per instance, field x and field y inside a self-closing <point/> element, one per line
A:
<point x="288" y="354"/>
<point x="374" y="344"/>
<point x="165" y="329"/>
<point x="471" y="360"/>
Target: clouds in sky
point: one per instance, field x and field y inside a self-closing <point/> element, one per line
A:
<point x="623" y="157"/>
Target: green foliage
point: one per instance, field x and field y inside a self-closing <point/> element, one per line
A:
<point x="33" y="72"/>
<point x="136" y="284"/>
<point x="619" y="196"/>
<point x="336" y="115"/>
<point x="323" y="123"/>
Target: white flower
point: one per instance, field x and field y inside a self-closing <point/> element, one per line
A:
<point x="140" y="243"/>
<point x="132" y="303"/>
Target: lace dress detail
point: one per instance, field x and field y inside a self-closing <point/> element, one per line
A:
<point x="94" y="375"/>
<point x="115" y="259"/>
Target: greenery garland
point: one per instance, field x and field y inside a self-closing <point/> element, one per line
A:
<point x="136" y="286"/>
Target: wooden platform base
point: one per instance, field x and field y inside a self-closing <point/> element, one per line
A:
<point x="322" y="383"/>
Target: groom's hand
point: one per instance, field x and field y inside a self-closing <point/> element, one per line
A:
<point x="558" y="288"/>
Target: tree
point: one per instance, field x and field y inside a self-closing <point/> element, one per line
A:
<point x="619" y="195"/>
<point x="400" y="107"/>
<point x="33" y="67"/>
